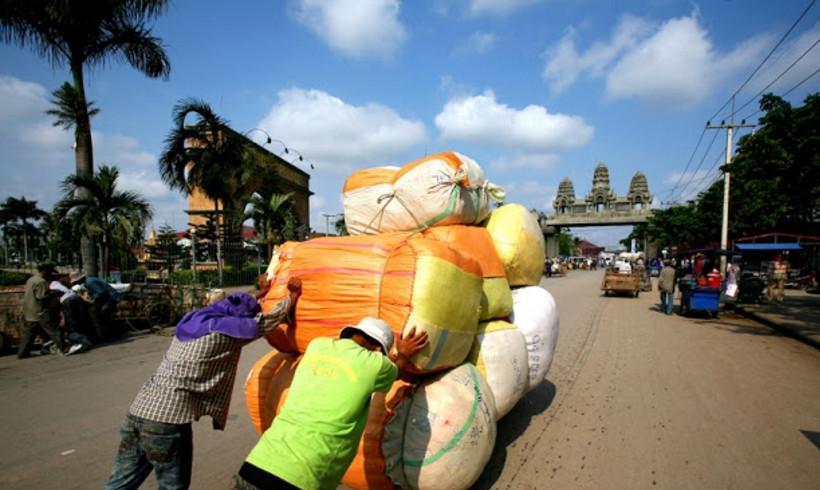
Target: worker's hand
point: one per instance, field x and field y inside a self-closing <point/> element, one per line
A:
<point x="411" y="342"/>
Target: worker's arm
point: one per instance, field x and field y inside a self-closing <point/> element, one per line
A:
<point x="282" y="312"/>
<point x="406" y="347"/>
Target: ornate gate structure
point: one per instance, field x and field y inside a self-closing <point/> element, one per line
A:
<point x="600" y="207"/>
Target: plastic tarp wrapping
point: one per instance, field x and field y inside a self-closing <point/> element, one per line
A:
<point x="536" y="315"/>
<point x="367" y="471"/>
<point x="266" y="387"/>
<point x="496" y="298"/>
<point x="405" y="279"/>
<point x="520" y="243"/>
<point x="441" y="189"/>
<point x="500" y="354"/>
<point x="443" y="435"/>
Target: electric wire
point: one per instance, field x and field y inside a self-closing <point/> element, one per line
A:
<point x="816" y="42"/>
<point x="754" y="72"/>
<point x="689" y="162"/>
<point x="784" y="94"/>
<point x="700" y="164"/>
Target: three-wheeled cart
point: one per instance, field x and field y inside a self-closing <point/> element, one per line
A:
<point x="698" y="298"/>
<point x="616" y="282"/>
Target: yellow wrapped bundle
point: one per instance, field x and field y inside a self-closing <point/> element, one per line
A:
<point x="519" y="242"/>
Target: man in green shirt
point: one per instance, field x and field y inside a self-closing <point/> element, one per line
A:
<point x="39" y="308"/>
<point x="314" y="438"/>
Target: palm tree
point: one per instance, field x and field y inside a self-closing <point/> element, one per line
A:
<point x="87" y="33"/>
<point x="110" y="214"/>
<point x="210" y="156"/>
<point x="68" y="107"/>
<point x="273" y="218"/>
<point x="22" y="210"/>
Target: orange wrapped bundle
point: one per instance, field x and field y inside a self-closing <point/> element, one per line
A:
<point x="367" y="471"/>
<point x="405" y="279"/>
<point x="496" y="297"/>
<point x="267" y="385"/>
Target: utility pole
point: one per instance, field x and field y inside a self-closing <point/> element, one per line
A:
<point x="724" y="227"/>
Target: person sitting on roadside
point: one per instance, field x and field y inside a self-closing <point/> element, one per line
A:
<point x="104" y="299"/>
<point x="72" y="306"/>
<point x="195" y="378"/>
<point x="313" y="440"/>
<point x="39" y="312"/>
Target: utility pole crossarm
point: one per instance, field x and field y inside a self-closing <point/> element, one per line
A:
<point x="724" y="228"/>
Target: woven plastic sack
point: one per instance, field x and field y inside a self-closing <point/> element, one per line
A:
<point x="500" y="354"/>
<point x="441" y="189"/>
<point x="520" y="243"/>
<point x="406" y="280"/>
<point x="496" y="298"/>
<point x="536" y="316"/>
<point x="447" y="435"/>
<point x="266" y="387"/>
<point x="368" y="471"/>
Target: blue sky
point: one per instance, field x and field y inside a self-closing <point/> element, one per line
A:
<point x="534" y="90"/>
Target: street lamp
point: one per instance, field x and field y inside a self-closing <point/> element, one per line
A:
<point x="327" y="220"/>
<point x="302" y="159"/>
<point x="268" y="139"/>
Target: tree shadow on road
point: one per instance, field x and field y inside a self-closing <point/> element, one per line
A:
<point x="510" y="429"/>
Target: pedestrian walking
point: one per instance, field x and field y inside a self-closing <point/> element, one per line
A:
<point x="778" y="272"/>
<point x="313" y="440"/>
<point x="39" y="311"/>
<point x="666" y="285"/>
<point x="195" y="378"/>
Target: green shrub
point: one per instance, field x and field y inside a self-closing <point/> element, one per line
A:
<point x="11" y="278"/>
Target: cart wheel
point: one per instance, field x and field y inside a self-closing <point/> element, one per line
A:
<point x="158" y="314"/>
<point x="3" y="342"/>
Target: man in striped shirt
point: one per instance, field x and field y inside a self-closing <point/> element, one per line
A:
<point x="195" y="378"/>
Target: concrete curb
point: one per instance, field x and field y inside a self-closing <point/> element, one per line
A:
<point x="787" y="331"/>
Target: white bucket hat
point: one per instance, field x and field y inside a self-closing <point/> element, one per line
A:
<point x="374" y="328"/>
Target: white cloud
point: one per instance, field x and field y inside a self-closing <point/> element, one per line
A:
<point x="357" y="28"/>
<point x="481" y="42"/>
<point x="21" y="100"/>
<point x="481" y="119"/>
<point x="498" y="7"/>
<point x="674" y="63"/>
<point x="538" y="161"/>
<point x="531" y="194"/>
<point x="334" y="133"/>
<point x="565" y="64"/>
<point x="148" y="184"/>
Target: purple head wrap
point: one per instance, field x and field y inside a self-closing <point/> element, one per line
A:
<point x="233" y="316"/>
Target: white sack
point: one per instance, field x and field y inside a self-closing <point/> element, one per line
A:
<point x="536" y="316"/>
<point x="449" y="428"/>
<point x="500" y="354"/>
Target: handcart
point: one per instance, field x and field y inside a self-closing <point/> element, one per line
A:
<point x="698" y="298"/>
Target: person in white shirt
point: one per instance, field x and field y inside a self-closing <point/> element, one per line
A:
<point x="72" y="306"/>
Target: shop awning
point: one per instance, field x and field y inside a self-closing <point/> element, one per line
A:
<point x="748" y="247"/>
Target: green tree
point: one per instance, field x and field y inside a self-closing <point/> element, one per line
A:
<point x="273" y="218"/>
<point x="114" y="216"/>
<point x="22" y="212"/>
<point x="86" y="33"/>
<point x="341" y="226"/>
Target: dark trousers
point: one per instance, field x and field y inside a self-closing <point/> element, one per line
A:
<point x="167" y="449"/>
<point x="45" y="325"/>
<point x="252" y="478"/>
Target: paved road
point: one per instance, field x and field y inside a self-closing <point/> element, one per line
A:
<point x="637" y="399"/>
<point x="634" y="400"/>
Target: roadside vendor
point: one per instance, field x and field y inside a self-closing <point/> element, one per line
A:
<point x="195" y="378"/>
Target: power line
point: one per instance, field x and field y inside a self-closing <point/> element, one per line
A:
<point x="700" y="164"/>
<point x="778" y="77"/>
<point x="749" y="78"/>
<point x="801" y="82"/>
<point x="689" y="162"/>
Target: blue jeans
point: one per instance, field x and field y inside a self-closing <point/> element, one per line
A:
<point x="667" y="302"/>
<point x="145" y="445"/>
